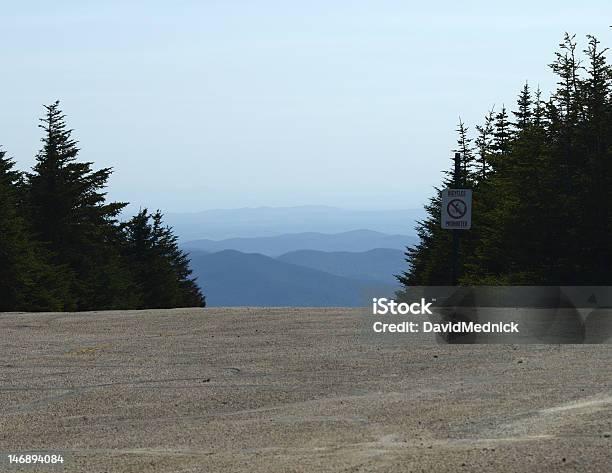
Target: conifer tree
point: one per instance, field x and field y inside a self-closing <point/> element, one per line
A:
<point x="593" y="173"/>
<point x="538" y="110"/>
<point x="465" y="149"/>
<point x="428" y="260"/>
<point x="161" y="270"/>
<point x="524" y="111"/>
<point x="567" y="66"/>
<point x="26" y="281"/>
<point x="14" y="245"/>
<point x="501" y="135"/>
<point x="484" y="145"/>
<point x="72" y="219"/>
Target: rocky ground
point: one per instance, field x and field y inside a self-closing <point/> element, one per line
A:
<point x="292" y="390"/>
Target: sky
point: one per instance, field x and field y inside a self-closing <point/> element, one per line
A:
<point x="233" y="103"/>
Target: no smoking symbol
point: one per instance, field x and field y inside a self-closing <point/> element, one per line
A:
<point x="456" y="208"/>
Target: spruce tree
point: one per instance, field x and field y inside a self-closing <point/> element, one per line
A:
<point x="484" y="145"/>
<point x="160" y="269"/>
<point x="26" y="281"/>
<point x="593" y="173"/>
<point x="501" y="135"/>
<point x="465" y="149"/>
<point x="524" y="112"/>
<point x="538" y="110"/>
<point x="14" y="244"/>
<point x="428" y="260"/>
<point x="72" y="219"/>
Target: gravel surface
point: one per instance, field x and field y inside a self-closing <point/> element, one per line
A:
<point x="292" y="390"/>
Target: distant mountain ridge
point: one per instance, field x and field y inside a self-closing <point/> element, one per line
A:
<point x="269" y="221"/>
<point x="232" y="278"/>
<point x="351" y="241"/>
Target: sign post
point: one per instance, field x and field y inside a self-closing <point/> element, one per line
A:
<point x="457" y="209"/>
<point x="456" y="213"/>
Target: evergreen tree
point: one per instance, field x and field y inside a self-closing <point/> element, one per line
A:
<point x="14" y="244"/>
<point x="592" y="173"/>
<point x="501" y="135"/>
<point x="524" y="111"/>
<point x="71" y="217"/>
<point x="567" y="68"/>
<point x="161" y="270"/>
<point x="465" y="149"/>
<point x="26" y="282"/>
<point x="484" y="145"/>
<point x="428" y="260"/>
<point x="566" y="105"/>
<point x="538" y="109"/>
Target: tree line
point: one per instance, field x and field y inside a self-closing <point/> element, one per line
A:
<point x="63" y="248"/>
<point x="542" y="187"/>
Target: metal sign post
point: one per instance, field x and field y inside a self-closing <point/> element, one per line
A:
<point x="456" y="213"/>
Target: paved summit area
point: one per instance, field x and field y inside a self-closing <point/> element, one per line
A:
<point x="292" y="390"/>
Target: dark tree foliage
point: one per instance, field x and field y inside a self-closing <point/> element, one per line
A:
<point x="160" y="268"/>
<point x="464" y="147"/>
<point x="26" y="281"/>
<point x="524" y="112"/>
<point x="63" y="248"/>
<point x="484" y="145"/>
<point x="14" y="242"/>
<point x="542" y="187"/>
<point x="428" y="260"/>
<point x="502" y="134"/>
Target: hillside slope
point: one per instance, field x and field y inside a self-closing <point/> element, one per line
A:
<point x="379" y="264"/>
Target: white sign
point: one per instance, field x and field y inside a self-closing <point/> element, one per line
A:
<point x="457" y="209"/>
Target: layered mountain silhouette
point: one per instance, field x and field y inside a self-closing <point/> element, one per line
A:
<point x="299" y="269"/>
<point x="234" y="278"/>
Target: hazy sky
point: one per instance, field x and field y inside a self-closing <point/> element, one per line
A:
<point x="235" y="103"/>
